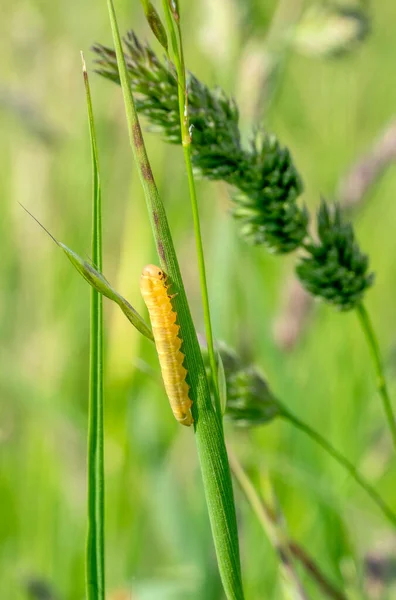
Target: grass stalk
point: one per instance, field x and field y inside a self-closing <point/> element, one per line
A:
<point x="186" y="137"/>
<point x="375" y="353"/>
<point x="343" y="461"/>
<point x="272" y="528"/>
<point x="208" y="428"/>
<point x="287" y="549"/>
<point x="95" y="548"/>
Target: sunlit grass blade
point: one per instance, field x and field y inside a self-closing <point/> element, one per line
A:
<point x="102" y="286"/>
<point x="95" y="549"/>
<point x="99" y="283"/>
<point x="208" y="427"/>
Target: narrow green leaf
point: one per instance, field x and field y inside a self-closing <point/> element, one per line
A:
<point x="95" y="550"/>
<point x="208" y="426"/>
<point x="155" y="23"/>
<point x="101" y="285"/>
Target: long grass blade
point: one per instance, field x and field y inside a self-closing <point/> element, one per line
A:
<point x="99" y="283"/>
<point x="95" y="549"/>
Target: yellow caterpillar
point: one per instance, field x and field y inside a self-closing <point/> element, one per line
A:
<point x="163" y="320"/>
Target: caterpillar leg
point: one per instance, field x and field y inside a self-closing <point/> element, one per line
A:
<point x="187" y="420"/>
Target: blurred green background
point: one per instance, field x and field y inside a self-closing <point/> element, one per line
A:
<point x="328" y="111"/>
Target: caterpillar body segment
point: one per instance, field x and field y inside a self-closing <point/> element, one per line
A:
<point x="166" y="336"/>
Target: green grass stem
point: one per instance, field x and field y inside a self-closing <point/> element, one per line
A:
<point x="186" y="137"/>
<point x="375" y="353"/>
<point x="95" y="548"/>
<point x="343" y="461"/>
<point x="273" y="529"/>
<point x="208" y="429"/>
<point x="288" y="550"/>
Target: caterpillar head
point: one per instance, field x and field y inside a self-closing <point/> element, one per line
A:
<point x="153" y="277"/>
<point x="153" y="272"/>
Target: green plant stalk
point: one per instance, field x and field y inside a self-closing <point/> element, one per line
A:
<point x="95" y="549"/>
<point x="287" y="549"/>
<point x="340" y="458"/>
<point x="208" y="429"/>
<point x="382" y="387"/>
<point x="287" y="567"/>
<point x="186" y="143"/>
